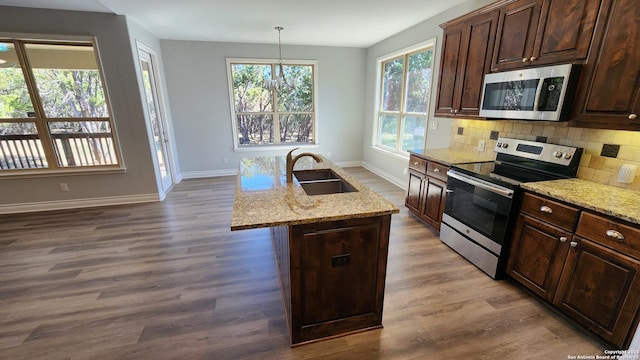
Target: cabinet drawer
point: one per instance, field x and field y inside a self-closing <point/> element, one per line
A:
<point x="610" y="233"/>
<point x="437" y="170"/>
<point x="418" y="164"/>
<point x="550" y="211"/>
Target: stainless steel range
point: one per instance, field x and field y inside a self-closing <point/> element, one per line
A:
<point x="479" y="209"/>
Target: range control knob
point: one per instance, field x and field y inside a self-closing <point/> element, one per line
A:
<point x="499" y="144"/>
<point x="505" y="145"/>
<point x="558" y="154"/>
<point x="567" y="156"/>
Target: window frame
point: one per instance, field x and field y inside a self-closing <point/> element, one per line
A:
<point x="273" y="62"/>
<point x="40" y="119"/>
<point x="377" y="124"/>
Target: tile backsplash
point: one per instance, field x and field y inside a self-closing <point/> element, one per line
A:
<point x="593" y="165"/>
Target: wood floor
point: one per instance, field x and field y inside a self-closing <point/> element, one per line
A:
<point x="170" y="281"/>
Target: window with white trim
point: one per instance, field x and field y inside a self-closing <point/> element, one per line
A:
<point x="405" y="88"/>
<point x="263" y="117"/>
<point x="53" y="108"/>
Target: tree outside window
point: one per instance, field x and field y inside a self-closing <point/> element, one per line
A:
<point x="404" y="100"/>
<point x="263" y="117"/>
<point x="53" y="108"/>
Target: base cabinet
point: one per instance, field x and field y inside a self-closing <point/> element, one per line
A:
<point x="584" y="264"/>
<point x="426" y="193"/>
<point x="332" y="276"/>
<point x="600" y="289"/>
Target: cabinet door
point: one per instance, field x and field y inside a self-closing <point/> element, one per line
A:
<point x="434" y="201"/>
<point x="600" y="289"/>
<point x="516" y="34"/>
<point x="609" y="88"/>
<point x="450" y="68"/>
<point x="413" y="191"/>
<point x="565" y="30"/>
<point x="477" y="62"/>
<point x="538" y="251"/>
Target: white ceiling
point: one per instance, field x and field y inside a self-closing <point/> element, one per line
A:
<point x="352" y="23"/>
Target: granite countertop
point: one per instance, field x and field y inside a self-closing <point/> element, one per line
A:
<point x="620" y="203"/>
<point x="264" y="199"/>
<point x="452" y="157"/>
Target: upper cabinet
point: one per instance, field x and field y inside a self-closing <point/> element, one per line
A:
<point x="539" y="32"/>
<point x="466" y="57"/>
<point x="609" y="88"/>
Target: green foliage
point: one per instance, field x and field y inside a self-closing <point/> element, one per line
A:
<point x="253" y="103"/>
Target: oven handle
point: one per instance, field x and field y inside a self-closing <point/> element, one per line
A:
<point x="469" y="180"/>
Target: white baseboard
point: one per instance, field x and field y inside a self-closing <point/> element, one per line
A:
<point x="77" y="203"/>
<point x="399" y="182"/>
<point x="348" y="163"/>
<point x="208" y="173"/>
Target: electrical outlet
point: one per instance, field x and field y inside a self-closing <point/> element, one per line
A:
<point x="64" y="187"/>
<point x="433" y="124"/>
<point x="329" y="155"/>
<point x="481" y="144"/>
<point x="404" y="171"/>
<point x="225" y="160"/>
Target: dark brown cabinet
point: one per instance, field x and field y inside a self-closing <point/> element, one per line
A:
<point x="332" y="276"/>
<point x="466" y="57"/>
<point x="609" y="88"/>
<point x="537" y="255"/>
<point x="539" y="32"/>
<point x="426" y="191"/>
<point x="588" y="268"/>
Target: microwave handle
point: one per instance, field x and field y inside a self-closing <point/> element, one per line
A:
<point x="536" y="102"/>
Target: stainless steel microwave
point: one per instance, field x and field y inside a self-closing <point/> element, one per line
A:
<point x="543" y="93"/>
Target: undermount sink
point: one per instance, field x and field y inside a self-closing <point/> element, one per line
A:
<point x="322" y="182"/>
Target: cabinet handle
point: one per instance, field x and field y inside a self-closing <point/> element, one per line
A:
<point x="416" y="163"/>
<point x="525" y="59"/>
<point x="533" y="58"/>
<point x="563" y="239"/>
<point x="436" y="170"/>
<point x="455" y="111"/>
<point x="633" y="116"/>
<point x="451" y="111"/>
<point x="573" y="243"/>
<point x="546" y="209"/>
<point x="615" y="234"/>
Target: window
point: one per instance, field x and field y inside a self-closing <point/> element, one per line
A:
<point x="53" y="108"/>
<point x="405" y="84"/>
<point x="263" y="117"/>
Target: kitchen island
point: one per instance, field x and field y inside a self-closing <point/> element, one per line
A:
<point x="331" y="250"/>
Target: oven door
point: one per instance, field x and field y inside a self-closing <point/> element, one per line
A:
<point x="481" y="206"/>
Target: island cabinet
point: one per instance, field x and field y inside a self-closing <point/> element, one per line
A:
<point x="466" y="56"/>
<point x="539" y="32"/>
<point x="332" y="276"/>
<point x="586" y="265"/>
<point x="426" y="192"/>
<point x="609" y="87"/>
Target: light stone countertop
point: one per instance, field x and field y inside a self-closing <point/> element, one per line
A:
<point x="452" y="157"/>
<point x="264" y="199"/>
<point x="606" y="199"/>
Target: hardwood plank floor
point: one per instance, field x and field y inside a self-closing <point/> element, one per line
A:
<point x="169" y="280"/>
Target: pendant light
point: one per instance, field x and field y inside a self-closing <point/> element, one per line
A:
<point x="279" y="81"/>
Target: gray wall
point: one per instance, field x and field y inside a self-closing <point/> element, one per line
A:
<point x="121" y="81"/>
<point x="199" y="96"/>
<point x="389" y="165"/>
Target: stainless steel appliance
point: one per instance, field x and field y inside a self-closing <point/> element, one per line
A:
<point x="479" y="208"/>
<point x="543" y="93"/>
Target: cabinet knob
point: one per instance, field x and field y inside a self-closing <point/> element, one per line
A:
<point x="633" y="116"/>
<point x="451" y="111"/>
<point x="455" y="111"/>
<point x="546" y="209"/>
<point x="436" y="170"/>
<point x="563" y="239"/>
<point x="533" y="58"/>
<point x="525" y="59"/>
<point x="615" y="234"/>
<point x="416" y="163"/>
<point x="573" y="243"/>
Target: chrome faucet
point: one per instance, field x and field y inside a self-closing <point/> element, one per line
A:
<point x="292" y="161"/>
